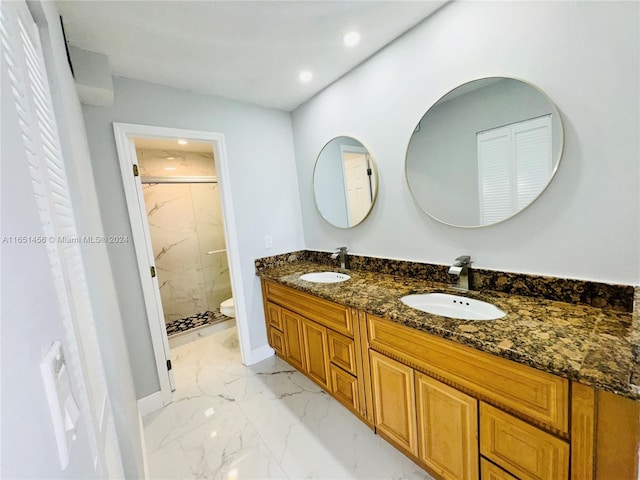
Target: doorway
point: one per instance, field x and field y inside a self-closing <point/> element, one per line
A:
<point x="129" y="138"/>
<point x="184" y="213"/>
<point x="356" y="164"/>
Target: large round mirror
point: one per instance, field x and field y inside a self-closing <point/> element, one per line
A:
<point x="484" y="152"/>
<point x="345" y="182"/>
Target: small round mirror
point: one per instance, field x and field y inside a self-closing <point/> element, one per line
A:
<point x="345" y="182"/>
<point x="484" y="152"/>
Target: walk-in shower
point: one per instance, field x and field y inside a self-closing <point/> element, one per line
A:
<point x="184" y="214"/>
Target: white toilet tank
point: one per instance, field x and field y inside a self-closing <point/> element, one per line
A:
<point x="228" y="308"/>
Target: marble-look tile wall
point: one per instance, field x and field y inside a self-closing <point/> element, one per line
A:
<point x="185" y="222"/>
<point x="163" y="163"/>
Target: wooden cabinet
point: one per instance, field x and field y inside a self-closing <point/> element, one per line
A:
<point x="318" y="338"/>
<point x="426" y="418"/>
<point x="293" y="341"/>
<point x="316" y="352"/>
<point x="537" y="395"/>
<point x="394" y="401"/>
<point x="447" y="429"/>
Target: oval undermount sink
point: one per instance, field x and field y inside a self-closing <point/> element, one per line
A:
<point x="453" y="306"/>
<point x="325" y="277"/>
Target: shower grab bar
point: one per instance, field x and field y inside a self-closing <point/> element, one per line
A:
<point x="211" y="252"/>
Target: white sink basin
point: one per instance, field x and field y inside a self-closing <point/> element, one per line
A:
<point x="325" y="277"/>
<point x="453" y="306"/>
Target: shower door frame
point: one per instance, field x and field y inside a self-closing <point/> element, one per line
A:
<point x="124" y="135"/>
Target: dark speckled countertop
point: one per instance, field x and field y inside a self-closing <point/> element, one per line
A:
<point x="594" y="346"/>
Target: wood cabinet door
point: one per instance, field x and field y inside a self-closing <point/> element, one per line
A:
<point x="293" y="341"/>
<point x="447" y="429"/>
<point x="316" y="352"/>
<point x="394" y="401"/>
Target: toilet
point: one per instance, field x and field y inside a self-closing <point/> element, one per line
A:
<point x="228" y="308"/>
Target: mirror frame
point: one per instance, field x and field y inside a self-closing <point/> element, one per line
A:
<point x="374" y="166"/>
<point x="554" y="110"/>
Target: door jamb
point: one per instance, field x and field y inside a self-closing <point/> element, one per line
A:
<point x="124" y="133"/>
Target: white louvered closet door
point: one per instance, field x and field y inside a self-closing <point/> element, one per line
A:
<point x="532" y="156"/>
<point x="495" y="174"/>
<point x="514" y="166"/>
<point x="23" y="59"/>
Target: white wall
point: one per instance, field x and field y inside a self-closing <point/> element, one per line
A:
<point x="263" y="185"/>
<point x="584" y="55"/>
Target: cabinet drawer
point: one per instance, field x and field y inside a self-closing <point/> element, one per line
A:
<point x="344" y="388"/>
<point x="322" y="311"/>
<point x="277" y="341"/>
<point x="490" y="472"/>
<point x="537" y="395"/>
<point x="274" y="316"/>
<point x="521" y="449"/>
<point x="342" y="352"/>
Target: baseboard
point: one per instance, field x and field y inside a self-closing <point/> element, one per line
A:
<point x="143" y="445"/>
<point x="150" y="403"/>
<point x="259" y="354"/>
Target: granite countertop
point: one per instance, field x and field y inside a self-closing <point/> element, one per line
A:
<point x="594" y="346"/>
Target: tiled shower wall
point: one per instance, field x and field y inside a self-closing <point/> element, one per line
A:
<point x="185" y="222"/>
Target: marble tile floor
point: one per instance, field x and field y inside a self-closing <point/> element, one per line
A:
<point x="267" y="421"/>
<point x="194" y="321"/>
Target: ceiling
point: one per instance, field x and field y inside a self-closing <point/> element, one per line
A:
<point x="251" y="51"/>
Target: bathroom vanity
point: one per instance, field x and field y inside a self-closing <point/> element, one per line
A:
<point x="544" y="393"/>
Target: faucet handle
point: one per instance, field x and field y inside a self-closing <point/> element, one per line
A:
<point x="464" y="259"/>
<point x="341" y="249"/>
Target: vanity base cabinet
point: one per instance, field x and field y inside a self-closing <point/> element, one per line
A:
<point x="319" y="338"/>
<point x="457" y="394"/>
<point x="457" y="412"/>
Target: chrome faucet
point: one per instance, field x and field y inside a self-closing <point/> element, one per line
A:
<point x="461" y="270"/>
<point x="344" y="258"/>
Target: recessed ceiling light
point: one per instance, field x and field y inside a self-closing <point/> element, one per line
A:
<point x="170" y="169"/>
<point x="171" y="158"/>
<point x="305" y="76"/>
<point x="182" y="142"/>
<point x="351" y="39"/>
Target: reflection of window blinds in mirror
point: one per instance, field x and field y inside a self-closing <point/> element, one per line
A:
<point x="514" y="165"/>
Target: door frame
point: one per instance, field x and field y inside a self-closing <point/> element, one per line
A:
<point x="124" y="134"/>
<point x="353" y="149"/>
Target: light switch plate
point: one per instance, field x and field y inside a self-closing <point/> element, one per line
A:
<point x="63" y="407"/>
